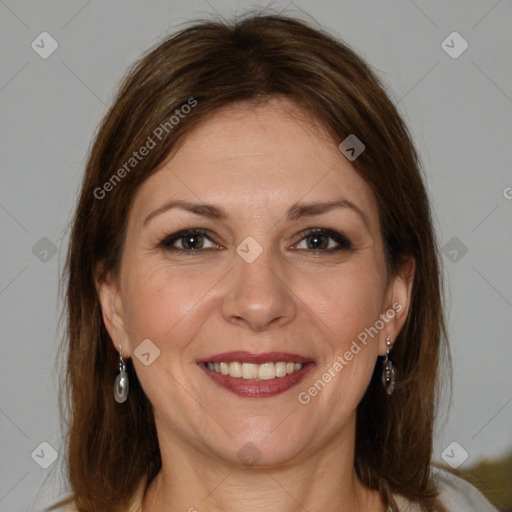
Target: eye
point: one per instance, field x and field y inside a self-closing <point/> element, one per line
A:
<point x="319" y="240"/>
<point x="192" y="241"/>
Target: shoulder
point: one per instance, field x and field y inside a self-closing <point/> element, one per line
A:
<point x="134" y="506"/>
<point x="458" y="494"/>
<point x="68" y="507"/>
<point x="455" y="493"/>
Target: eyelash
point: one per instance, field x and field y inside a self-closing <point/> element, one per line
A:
<point x="168" y="240"/>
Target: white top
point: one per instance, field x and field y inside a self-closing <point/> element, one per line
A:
<point x="456" y="494"/>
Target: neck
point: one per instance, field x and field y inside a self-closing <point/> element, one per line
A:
<point x="326" y="480"/>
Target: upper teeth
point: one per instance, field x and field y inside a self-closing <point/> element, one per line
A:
<point x="265" y="371"/>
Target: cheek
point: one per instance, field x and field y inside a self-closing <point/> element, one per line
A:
<point x="350" y="309"/>
<point x="359" y="304"/>
<point x="354" y="302"/>
<point x="346" y="301"/>
<point x="164" y="305"/>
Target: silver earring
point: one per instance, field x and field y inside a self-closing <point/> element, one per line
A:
<point x="388" y="371"/>
<point x="121" y="384"/>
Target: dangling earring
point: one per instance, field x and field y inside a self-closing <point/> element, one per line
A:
<point x="388" y="371"/>
<point x="121" y="383"/>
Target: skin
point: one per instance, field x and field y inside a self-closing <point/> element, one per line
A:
<point x="255" y="163"/>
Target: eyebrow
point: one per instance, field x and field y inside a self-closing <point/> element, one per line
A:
<point x="297" y="211"/>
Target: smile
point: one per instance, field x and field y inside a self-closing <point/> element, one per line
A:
<point x="256" y="375"/>
<point x="248" y="371"/>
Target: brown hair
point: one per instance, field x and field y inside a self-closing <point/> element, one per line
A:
<point x="216" y="64"/>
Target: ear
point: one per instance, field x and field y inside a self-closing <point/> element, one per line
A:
<point x="112" y="309"/>
<point x="397" y="302"/>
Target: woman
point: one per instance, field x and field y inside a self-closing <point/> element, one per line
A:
<point x="253" y="255"/>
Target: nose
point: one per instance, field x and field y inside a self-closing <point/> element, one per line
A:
<point x="258" y="294"/>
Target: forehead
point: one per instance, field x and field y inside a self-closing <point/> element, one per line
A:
<point x="271" y="155"/>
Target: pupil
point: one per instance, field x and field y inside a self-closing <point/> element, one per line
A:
<point x="190" y="240"/>
<point x="315" y="242"/>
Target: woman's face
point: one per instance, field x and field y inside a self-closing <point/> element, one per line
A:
<point x="259" y="288"/>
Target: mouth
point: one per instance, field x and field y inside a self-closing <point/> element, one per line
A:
<point x="257" y="375"/>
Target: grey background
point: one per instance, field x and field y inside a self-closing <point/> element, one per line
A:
<point x="459" y="111"/>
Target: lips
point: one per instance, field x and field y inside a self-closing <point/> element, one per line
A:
<point x="243" y="384"/>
